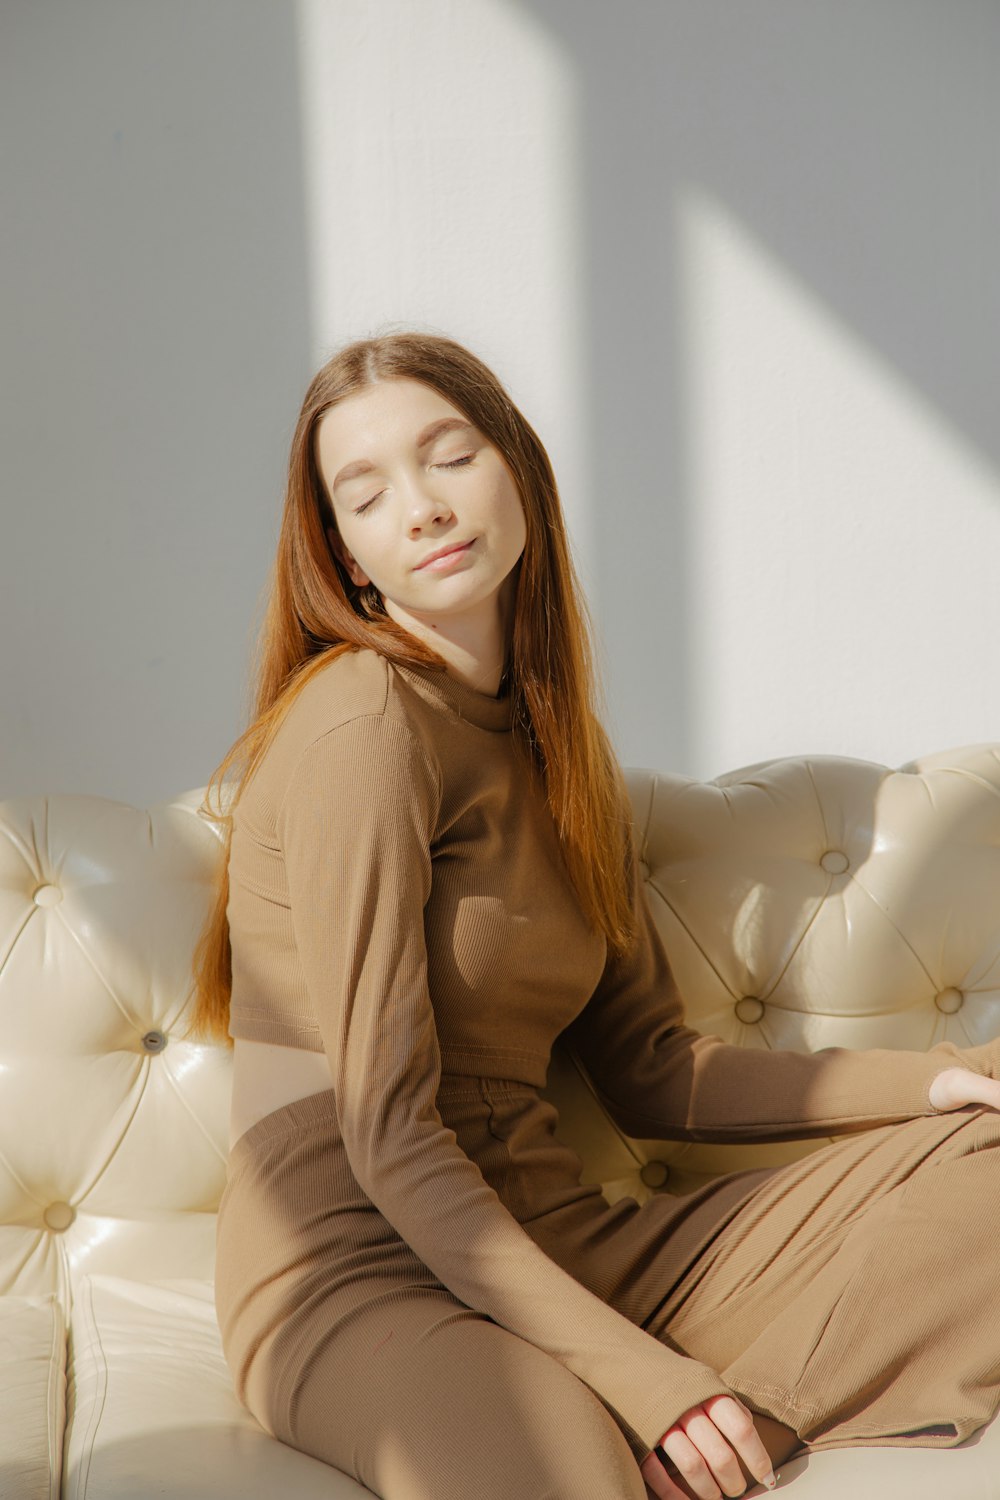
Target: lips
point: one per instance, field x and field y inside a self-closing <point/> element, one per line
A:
<point x="443" y="552"/>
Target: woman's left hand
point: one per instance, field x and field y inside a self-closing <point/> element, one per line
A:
<point x="955" y="1087"/>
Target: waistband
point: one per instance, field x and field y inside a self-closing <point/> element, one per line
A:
<point x="315" y="1111"/>
<point x="290" y="1119"/>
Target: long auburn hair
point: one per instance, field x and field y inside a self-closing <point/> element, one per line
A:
<point x="315" y="612"/>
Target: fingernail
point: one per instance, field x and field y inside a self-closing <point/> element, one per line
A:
<point x="769" y="1479"/>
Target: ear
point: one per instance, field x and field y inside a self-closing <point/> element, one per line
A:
<point x="357" y="575"/>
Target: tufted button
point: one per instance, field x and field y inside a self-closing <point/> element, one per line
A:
<point x="949" y="1001"/>
<point x="750" y="1009"/>
<point x="154" y="1041"/>
<point x="47" y="895"/>
<point x="59" y="1216"/>
<point x="835" y="862"/>
<point x="654" y="1173"/>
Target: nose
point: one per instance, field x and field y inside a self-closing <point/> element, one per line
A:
<point x="424" y="505"/>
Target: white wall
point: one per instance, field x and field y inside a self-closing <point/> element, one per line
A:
<point x="790" y="214"/>
<point x="154" y="349"/>
<point x="735" y="262"/>
<point x="845" y="530"/>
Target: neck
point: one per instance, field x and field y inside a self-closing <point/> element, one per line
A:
<point x="470" y="660"/>
<point x="480" y="671"/>
<point x="475" y="647"/>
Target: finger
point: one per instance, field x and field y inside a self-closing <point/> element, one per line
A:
<point x="691" y="1465"/>
<point x="722" y="1462"/>
<point x="735" y="1421"/>
<point x="658" y="1481"/>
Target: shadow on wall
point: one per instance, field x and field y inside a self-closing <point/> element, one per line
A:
<point x="856" y="143"/>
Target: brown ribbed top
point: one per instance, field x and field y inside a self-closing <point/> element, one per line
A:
<point x="398" y="899"/>
<point x="391" y="846"/>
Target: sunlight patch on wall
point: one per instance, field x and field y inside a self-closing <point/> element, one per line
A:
<point x="845" y="536"/>
<point x="440" y="141"/>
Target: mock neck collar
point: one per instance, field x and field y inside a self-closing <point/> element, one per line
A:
<point x="437" y="686"/>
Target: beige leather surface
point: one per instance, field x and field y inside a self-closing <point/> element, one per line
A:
<point x="151" y="1395"/>
<point x="804" y="903"/>
<point x="807" y="904"/>
<point x="32" y="1397"/>
<point x="113" y="1131"/>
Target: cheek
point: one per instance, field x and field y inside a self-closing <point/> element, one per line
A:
<point x="508" y="507"/>
<point x="362" y="547"/>
<point x="518" y="526"/>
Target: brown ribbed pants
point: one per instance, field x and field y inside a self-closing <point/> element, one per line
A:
<point x="853" y="1295"/>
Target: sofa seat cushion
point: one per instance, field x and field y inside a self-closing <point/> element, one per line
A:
<point x="969" y="1472"/>
<point x="152" y="1409"/>
<point x="32" y="1396"/>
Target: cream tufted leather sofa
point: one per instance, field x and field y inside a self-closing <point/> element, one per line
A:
<point x="804" y="903"/>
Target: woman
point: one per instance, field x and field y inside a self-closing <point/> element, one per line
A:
<point x="430" y="875"/>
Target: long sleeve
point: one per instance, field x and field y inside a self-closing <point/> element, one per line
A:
<point x="356" y="826"/>
<point x="661" y="1079"/>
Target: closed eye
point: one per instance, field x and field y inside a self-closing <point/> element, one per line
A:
<point x="454" y="463"/>
<point x="362" y="508"/>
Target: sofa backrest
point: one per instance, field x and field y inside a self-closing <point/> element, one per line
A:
<point x="803" y="903"/>
<point x="810" y="902"/>
<point x="113" y="1129"/>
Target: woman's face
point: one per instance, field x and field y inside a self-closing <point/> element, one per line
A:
<point x="408" y="475"/>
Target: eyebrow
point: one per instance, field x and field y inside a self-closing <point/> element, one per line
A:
<point x="362" y="466"/>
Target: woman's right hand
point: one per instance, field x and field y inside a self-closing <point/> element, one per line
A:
<point x="705" y="1446"/>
